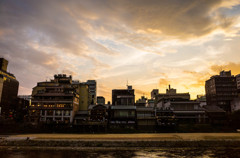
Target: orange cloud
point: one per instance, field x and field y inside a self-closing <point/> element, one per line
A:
<point x="234" y="67"/>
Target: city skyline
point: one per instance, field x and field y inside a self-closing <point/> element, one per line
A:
<point x="149" y="44"/>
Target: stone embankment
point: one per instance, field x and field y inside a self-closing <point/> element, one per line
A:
<point x="130" y="143"/>
<point x="122" y="140"/>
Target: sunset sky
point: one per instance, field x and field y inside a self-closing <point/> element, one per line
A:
<point x="149" y="43"/>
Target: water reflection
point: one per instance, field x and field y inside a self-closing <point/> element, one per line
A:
<point x="143" y="153"/>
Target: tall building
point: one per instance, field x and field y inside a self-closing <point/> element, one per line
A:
<point x="123" y="96"/>
<point x="93" y="90"/>
<point x="85" y="98"/>
<point x="54" y="101"/>
<point x="8" y="91"/>
<point x="221" y="90"/>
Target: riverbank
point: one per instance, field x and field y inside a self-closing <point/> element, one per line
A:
<point x="121" y="140"/>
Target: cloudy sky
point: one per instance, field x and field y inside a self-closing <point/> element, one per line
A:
<point x="149" y="43"/>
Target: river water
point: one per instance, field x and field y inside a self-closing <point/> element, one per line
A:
<point x="126" y="153"/>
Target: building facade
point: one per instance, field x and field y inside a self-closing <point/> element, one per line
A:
<point x="85" y="97"/>
<point x="238" y="84"/>
<point x="221" y="90"/>
<point x="93" y="90"/>
<point x="154" y="93"/>
<point x="54" y="101"/>
<point x="101" y="100"/>
<point x="8" y="91"/>
<point x="142" y="102"/>
<point x="172" y="94"/>
<point x="123" y="116"/>
<point x="123" y="96"/>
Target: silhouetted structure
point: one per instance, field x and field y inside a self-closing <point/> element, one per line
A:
<point x="93" y="90"/>
<point x="146" y="119"/>
<point x="172" y="94"/>
<point x="8" y="91"/>
<point x="216" y="115"/>
<point x="142" y="102"/>
<point x="25" y="97"/>
<point x="123" y="96"/>
<point x="98" y="113"/>
<point x="221" y="90"/>
<point x="85" y="98"/>
<point x="101" y="100"/>
<point x="238" y="84"/>
<point x="154" y="93"/>
<point x="22" y="108"/>
<point x="122" y="116"/>
<point x="184" y="111"/>
<point x="54" y="101"/>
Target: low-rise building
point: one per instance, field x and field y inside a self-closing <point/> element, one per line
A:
<point x="184" y="111"/>
<point x="123" y="96"/>
<point x="122" y="116"/>
<point x="216" y="115"/>
<point x="146" y="119"/>
<point x="171" y="94"/>
<point x="54" y="101"/>
<point x="142" y="102"/>
<point x="151" y="103"/>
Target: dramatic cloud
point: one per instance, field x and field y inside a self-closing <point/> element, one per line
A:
<point x="149" y="43"/>
<point x="234" y="67"/>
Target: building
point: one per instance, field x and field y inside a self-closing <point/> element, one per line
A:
<point x="221" y="90"/>
<point x="101" y="100"/>
<point x="25" y="97"/>
<point x="151" y="103"/>
<point x="22" y="108"/>
<point x="123" y="96"/>
<point x="85" y="97"/>
<point x="154" y="93"/>
<point x="93" y="90"/>
<point x="238" y="84"/>
<point x="54" y="101"/>
<point x="98" y="117"/>
<point x="8" y="91"/>
<point x="235" y="104"/>
<point x="172" y="94"/>
<point x="122" y="116"/>
<point x="141" y="102"/>
<point x="216" y="115"/>
<point x="202" y="100"/>
<point x="165" y="117"/>
<point x="184" y="111"/>
<point x="146" y="119"/>
<point x="98" y="113"/>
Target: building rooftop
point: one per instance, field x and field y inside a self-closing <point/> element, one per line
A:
<point x="213" y="108"/>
